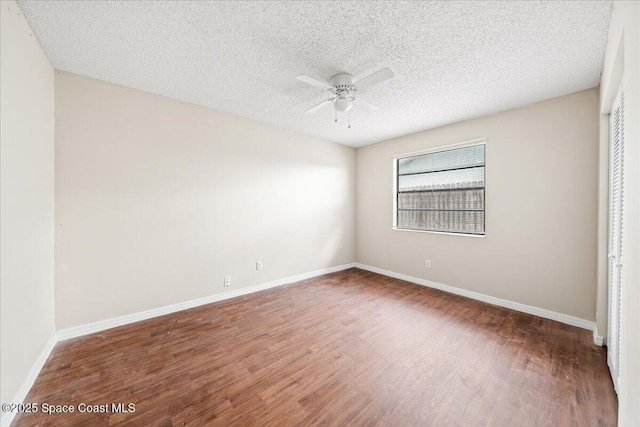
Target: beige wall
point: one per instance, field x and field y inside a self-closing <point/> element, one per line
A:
<point x="622" y="65"/>
<point x="158" y="200"/>
<point x="541" y="208"/>
<point x="26" y="205"/>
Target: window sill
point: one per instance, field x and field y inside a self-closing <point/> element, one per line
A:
<point x="440" y="232"/>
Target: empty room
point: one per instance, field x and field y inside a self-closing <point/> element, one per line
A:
<point x="305" y="213"/>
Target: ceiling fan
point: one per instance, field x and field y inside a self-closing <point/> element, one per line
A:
<point x="343" y="89"/>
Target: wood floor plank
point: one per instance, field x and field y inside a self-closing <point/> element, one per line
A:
<point x="348" y="348"/>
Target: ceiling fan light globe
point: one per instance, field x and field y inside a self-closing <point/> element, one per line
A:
<point x="343" y="105"/>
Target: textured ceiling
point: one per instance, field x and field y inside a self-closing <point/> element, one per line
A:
<point x="452" y="60"/>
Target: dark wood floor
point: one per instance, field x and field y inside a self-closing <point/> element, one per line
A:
<point x="349" y="348"/>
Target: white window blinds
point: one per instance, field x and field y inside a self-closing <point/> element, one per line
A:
<point x="442" y="191"/>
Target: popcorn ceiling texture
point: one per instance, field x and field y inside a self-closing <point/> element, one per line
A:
<point x="452" y="60"/>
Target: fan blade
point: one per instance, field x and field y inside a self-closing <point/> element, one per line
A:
<point x="320" y="106"/>
<point x="367" y="106"/>
<point x="313" y="82"/>
<point x="375" y="78"/>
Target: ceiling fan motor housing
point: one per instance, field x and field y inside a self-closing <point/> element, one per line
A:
<point x="342" y="80"/>
<point x="344" y="90"/>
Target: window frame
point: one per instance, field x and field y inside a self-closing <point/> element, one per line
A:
<point x="395" y="158"/>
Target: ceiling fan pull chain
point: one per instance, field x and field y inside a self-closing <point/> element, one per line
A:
<point x="349" y="119"/>
<point x="336" y="120"/>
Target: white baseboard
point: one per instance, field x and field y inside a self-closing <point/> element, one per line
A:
<point x="540" y="312"/>
<point x="597" y="338"/>
<point x="7" y="417"/>
<point x="77" y="331"/>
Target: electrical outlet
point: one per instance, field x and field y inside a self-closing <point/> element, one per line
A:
<point x="259" y="265"/>
<point x="428" y="263"/>
<point x="227" y="282"/>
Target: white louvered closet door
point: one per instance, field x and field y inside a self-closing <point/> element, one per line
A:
<point x="616" y="140"/>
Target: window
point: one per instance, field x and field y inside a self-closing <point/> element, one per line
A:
<point x="442" y="191"/>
